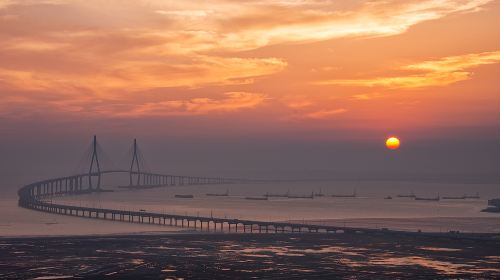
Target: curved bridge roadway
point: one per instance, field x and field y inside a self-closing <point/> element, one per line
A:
<point x="34" y="196"/>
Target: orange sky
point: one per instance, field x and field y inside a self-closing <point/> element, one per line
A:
<point x="377" y="66"/>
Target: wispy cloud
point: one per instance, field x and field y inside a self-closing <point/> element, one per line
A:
<point x="309" y="21"/>
<point x="89" y="50"/>
<point x="324" y="114"/>
<point x="142" y="75"/>
<point x="438" y="72"/>
<point x="231" y="102"/>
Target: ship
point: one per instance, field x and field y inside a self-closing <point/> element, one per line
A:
<point x="277" y="194"/>
<point x="219" y="194"/>
<point x="345" y="195"/>
<point x="301" y="196"/>
<point x="493" y="206"/>
<point x="184" y="196"/>
<point x="455" y="197"/>
<point x="473" y="196"/>
<point x="412" y="195"/>
<point x="388" y="197"/>
<point x="256" y="198"/>
<point x="320" y="194"/>
<point x="437" y="198"/>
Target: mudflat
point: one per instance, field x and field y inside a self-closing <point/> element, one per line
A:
<point x="245" y="256"/>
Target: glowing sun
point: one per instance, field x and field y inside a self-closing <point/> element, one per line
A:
<point x="392" y="143"/>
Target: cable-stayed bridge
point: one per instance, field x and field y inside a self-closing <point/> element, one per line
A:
<point x="35" y="196"/>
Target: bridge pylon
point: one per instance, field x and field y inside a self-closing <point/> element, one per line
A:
<point x="135" y="159"/>
<point x="95" y="159"/>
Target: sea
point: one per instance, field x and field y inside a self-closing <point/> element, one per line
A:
<point x="309" y="202"/>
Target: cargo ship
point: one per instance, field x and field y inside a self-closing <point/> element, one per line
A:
<point x="437" y="198"/>
<point x="345" y="195"/>
<point x="411" y="195"/>
<point x="476" y="196"/>
<point x="473" y="196"/>
<point x="301" y="196"/>
<point x="277" y="194"/>
<point x="320" y="194"/>
<point x="455" y="197"/>
<point x="256" y="198"/>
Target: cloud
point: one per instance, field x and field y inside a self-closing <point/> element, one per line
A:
<point x="299" y="104"/>
<point x="142" y="75"/>
<point x="232" y="102"/>
<point x="324" y="114"/>
<point x="185" y="13"/>
<point x="38" y="104"/>
<point x="310" y="21"/>
<point x="83" y="53"/>
<point x="305" y="113"/>
<point x="439" y="72"/>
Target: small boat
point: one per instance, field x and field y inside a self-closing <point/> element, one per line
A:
<point x="184" y="196"/>
<point x="345" y="195"/>
<point x="320" y="194"/>
<point x="388" y="197"/>
<point x="437" y="198"/>
<point x="473" y="196"/>
<point x="256" y="198"/>
<point x="219" y="194"/>
<point x="301" y="196"/>
<point x="277" y="194"/>
<point x="412" y="195"/>
<point x="454" y="197"/>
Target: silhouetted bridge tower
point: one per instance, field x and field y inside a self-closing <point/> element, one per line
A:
<point x="97" y="166"/>
<point x="135" y="159"/>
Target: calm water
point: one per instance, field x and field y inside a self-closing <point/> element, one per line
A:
<point x="369" y="207"/>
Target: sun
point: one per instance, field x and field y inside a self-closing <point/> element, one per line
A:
<point x="392" y="143"/>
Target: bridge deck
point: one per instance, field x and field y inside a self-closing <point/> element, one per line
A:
<point x="32" y="196"/>
<point x="187" y="221"/>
